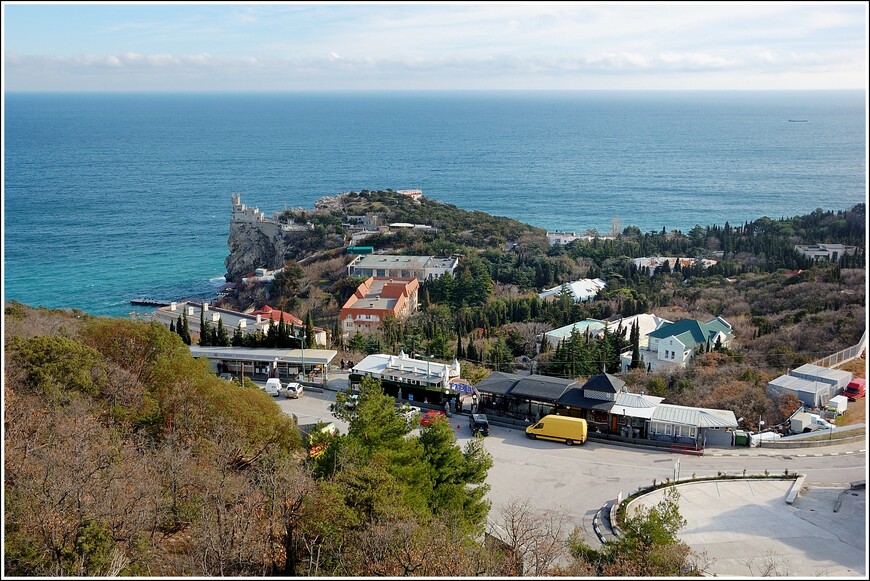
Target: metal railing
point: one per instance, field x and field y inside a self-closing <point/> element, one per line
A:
<point x="845" y="355"/>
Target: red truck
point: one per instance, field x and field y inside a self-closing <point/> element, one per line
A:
<point x="855" y="389"/>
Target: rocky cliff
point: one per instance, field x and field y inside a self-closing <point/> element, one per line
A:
<point x="254" y="245"/>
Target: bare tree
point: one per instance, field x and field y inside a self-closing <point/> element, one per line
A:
<point x="535" y="541"/>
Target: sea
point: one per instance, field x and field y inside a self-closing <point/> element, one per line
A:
<point x="110" y="197"/>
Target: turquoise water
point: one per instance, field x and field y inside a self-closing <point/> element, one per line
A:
<point x="110" y="197"/>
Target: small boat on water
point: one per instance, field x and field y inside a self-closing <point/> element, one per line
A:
<point x="797" y="120"/>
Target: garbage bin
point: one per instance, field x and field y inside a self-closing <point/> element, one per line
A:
<point x="741" y="438"/>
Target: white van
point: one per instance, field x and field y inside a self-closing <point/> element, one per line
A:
<point x="273" y="384"/>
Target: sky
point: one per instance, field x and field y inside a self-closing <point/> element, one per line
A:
<point x="354" y="46"/>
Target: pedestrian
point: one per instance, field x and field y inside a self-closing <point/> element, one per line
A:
<point x="342" y="364"/>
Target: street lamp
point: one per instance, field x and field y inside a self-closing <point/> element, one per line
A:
<point x="760" y="424"/>
<point x="302" y="346"/>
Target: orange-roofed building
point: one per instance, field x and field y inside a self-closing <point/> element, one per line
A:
<point x="377" y="298"/>
<point x="268" y="312"/>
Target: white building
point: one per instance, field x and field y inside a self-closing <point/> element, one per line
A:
<point x="827" y="251"/>
<point x="559" y="237"/>
<point x="396" y="265"/>
<point x="646" y="323"/>
<point x="405" y="370"/>
<point x="653" y="262"/>
<point x="581" y="290"/>
<point x="248" y="324"/>
<point x="674" y="344"/>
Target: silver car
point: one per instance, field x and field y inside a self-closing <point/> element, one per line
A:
<point x="291" y="390"/>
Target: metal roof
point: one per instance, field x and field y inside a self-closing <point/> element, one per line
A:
<point x="574" y="398"/>
<point x="310" y="356"/>
<point x="497" y="383"/>
<point x="540" y="387"/>
<point x="698" y="417"/>
<point x="826" y="374"/>
<point x="604" y="382"/>
<point x="635" y="405"/>
<point x="792" y="383"/>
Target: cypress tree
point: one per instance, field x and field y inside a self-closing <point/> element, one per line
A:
<point x="185" y="329"/>
<point x="172" y="326"/>
<point x="222" y="337"/>
<point x="203" y="329"/>
<point x="309" y="332"/>
<point x="635" y="346"/>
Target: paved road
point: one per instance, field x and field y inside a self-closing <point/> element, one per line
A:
<point x="576" y="481"/>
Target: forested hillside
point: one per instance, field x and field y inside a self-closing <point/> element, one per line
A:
<point x="124" y="456"/>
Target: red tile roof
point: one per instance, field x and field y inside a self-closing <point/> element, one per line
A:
<point x="268" y="312"/>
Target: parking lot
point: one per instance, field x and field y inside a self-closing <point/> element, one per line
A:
<point x="576" y="481"/>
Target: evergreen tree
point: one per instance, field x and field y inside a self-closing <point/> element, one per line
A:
<point x="172" y="326"/>
<point x="337" y="337"/>
<point x="471" y="352"/>
<point x="635" y="346"/>
<point x="545" y="344"/>
<point x="205" y="335"/>
<point x="238" y="339"/>
<point x="222" y="338"/>
<point x="309" y="332"/>
<point x="185" y="329"/>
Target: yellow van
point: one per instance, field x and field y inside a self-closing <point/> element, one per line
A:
<point x="559" y="428"/>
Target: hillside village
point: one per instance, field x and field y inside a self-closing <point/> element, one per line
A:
<point x="706" y="319"/>
<point x="117" y="431"/>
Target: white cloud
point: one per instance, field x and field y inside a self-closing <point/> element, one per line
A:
<point x="492" y="45"/>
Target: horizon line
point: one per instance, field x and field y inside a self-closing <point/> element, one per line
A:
<point x="418" y="91"/>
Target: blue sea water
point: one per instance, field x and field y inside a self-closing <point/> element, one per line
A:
<point x="112" y="196"/>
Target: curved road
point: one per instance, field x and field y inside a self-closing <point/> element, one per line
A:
<point x="576" y="481"/>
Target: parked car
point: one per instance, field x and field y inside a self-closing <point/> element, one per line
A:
<point x="431" y="416"/>
<point x="350" y="402"/>
<point x="273" y="384"/>
<point x="411" y="413"/>
<point x="291" y="390"/>
<point x="479" y="424"/>
<point x="226" y="376"/>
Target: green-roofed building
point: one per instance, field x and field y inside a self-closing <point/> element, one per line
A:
<point x="674" y="344"/>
